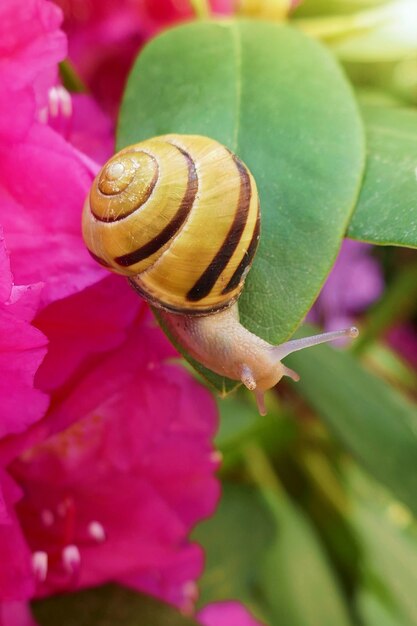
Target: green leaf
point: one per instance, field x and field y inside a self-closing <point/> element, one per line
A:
<point x="387" y="537"/>
<point x="371" y="419"/>
<point x="296" y="579"/>
<point x="298" y="582"/>
<point x="389" y="560"/>
<point x="262" y="551"/>
<point x="107" y="606"/>
<point x="241" y="423"/>
<point x="373" y="612"/>
<point x="280" y="101"/>
<point x="234" y="540"/>
<point x="239" y="420"/>
<point x="386" y="212"/>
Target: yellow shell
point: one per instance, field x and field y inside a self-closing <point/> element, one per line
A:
<point x="179" y="215"/>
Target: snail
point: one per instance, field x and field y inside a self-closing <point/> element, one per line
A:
<point x="179" y="216"/>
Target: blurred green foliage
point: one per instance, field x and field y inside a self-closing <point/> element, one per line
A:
<point x="316" y="524"/>
<point x="107" y="606"/>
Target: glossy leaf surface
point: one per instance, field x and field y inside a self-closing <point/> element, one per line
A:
<point x="257" y="87"/>
<point x="299" y="583"/>
<point x="387" y="208"/>
<point x="389" y="560"/>
<point x="235" y="540"/>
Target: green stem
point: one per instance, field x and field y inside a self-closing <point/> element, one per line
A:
<point x="70" y="79"/>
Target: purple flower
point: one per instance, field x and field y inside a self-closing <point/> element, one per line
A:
<point x="354" y="283"/>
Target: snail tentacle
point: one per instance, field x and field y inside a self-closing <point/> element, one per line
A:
<point x="179" y="216"/>
<point x="248" y="378"/>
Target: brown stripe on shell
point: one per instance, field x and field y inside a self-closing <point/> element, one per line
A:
<point x="145" y="197"/>
<point x="206" y="282"/>
<point x="98" y="259"/>
<point x="246" y="261"/>
<point x="173" y="226"/>
<point x="171" y="308"/>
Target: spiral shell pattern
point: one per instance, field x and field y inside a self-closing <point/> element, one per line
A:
<point x="179" y="215"/>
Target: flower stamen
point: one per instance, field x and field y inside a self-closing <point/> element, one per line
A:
<point x="71" y="558"/>
<point x="96" y="531"/>
<point x="40" y="565"/>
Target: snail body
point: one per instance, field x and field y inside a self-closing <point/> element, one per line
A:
<point x="179" y="216"/>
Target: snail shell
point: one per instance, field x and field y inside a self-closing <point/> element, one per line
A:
<point x="179" y="215"/>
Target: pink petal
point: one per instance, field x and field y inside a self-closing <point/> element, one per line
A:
<point x="84" y="324"/>
<point x="25" y="300"/>
<point x="16" y="577"/>
<point x="16" y="614"/>
<point x="143" y="431"/>
<point x="174" y="580"/>
<point x="22" y="348"/>
<point x="41" y="220"/>
<point x="17" y="111"/>
<point x="31" y="43"/>
<point x="226" y="614"/>
<point x="6" y="279"/>
<point x="90" y="131"/>
<point x="126" y="429"/>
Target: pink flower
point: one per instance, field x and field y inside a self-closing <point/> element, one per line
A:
<point x="114" y="496"/>
<point x="31" y="44"/>
<point x="43" y="180"/>
<point x="107" y="482"/>
<point x="226" y="614"/>
<point x="43" y="183"/>
<point x="105" y="38"/>
<point x="80" y="121"/>
<point x="16" y="614"/>
<point x="22" y="348"/>
<point x="16" y="578"/>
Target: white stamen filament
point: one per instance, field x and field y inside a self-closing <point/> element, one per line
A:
<point x="59" y="101"/>
<point x="65" y="100"/>
<point x="53" y="101"/>
<point x="96" y="531"/>
<point x="71" y="558"/>
<point x="40" y="565"/>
